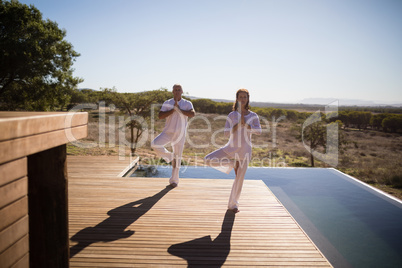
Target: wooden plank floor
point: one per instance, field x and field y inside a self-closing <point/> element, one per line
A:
<point x="101" y="166"/>
<point x="139" y="222"/>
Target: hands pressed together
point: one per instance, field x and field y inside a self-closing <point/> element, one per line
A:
<point x="242" y="122"/>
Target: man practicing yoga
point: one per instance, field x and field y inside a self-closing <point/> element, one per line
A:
<point x="176" y="111"/>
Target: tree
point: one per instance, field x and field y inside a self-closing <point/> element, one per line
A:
<point x="205" y="105"/>
<point x="277" y="112"/>
<point x="291" y="115"/>
<point x="361" y="119"/>
<point x="376" y="120"/>
<point x="345" y="118"/>
<point x="35" y="60"/>
<point x="392" y="123"/>
<point x="316" y="134"/>
<point x="138" y="106"/>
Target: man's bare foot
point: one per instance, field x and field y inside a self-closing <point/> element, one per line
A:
<point x="173" y="185"/>
<point x="235" y="210"/>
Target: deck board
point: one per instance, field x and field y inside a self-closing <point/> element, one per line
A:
<point x="137" y="222"/>
<point x="100" y="166"/>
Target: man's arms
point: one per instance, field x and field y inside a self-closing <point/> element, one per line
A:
<point x="189" y="113"/>
<point x="163" y="115"/>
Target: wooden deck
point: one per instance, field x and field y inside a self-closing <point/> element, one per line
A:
<point x="100" y="166"/>
<point x="137" y="222"/>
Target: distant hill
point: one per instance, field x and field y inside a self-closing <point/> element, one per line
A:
<point x="312" y="103"/>
<point x="297" y="106"/>
<point x="288" y="106"/>
<point x="348" y="102"/>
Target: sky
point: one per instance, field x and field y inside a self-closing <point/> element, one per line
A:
<point x="280" y="50"/>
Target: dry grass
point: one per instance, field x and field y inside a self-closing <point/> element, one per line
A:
<point x="371" y="156"/>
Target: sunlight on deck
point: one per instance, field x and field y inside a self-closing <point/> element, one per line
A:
<point x="129" y="222"/>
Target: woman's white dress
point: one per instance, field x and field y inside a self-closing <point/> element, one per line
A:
<point x="238" y="149"/>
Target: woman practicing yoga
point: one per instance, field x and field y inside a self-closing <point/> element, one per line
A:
<point x="236" y="154"/>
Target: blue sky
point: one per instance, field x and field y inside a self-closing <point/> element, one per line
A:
<point x="281" y="50"/>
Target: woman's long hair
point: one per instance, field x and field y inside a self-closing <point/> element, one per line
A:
<point x="237" y="95"/>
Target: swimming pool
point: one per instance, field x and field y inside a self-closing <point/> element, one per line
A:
<point x="353" y="224"/>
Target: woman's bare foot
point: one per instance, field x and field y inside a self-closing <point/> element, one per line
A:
<point x="235" y="210"/>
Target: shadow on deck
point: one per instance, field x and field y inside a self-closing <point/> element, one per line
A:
<point x="128" y="222"/>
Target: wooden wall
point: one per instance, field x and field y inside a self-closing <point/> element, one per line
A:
<point x="14" y="220"/>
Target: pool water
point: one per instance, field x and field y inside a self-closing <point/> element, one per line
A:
<point x="353" y="224"/>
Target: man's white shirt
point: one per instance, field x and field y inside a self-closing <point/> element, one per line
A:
<point x="176" y="121"/>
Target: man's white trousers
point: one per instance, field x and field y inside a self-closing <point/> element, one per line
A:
<point x="177" y="141"/>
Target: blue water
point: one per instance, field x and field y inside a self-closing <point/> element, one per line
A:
<point x="352" y="224"/>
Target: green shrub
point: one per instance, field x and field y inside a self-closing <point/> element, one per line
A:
<point x="396" y="181"/>
<point x="299" y="164"/>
